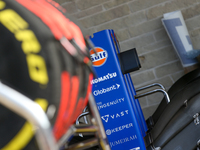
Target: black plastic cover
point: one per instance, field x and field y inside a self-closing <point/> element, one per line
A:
<point x="129" y="61"/>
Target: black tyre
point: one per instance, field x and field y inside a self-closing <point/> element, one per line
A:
<point x="35" y="64"/>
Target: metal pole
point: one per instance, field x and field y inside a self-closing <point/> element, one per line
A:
<point x="95" y="113"/>
<point x="151" y="85"/>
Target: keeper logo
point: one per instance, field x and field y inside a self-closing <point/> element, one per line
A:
<point x="118" y="129"/>
<point x="100" y="58"/>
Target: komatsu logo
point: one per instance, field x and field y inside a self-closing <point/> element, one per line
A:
<point x="99" y="58"/>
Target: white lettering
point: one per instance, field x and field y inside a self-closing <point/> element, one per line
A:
<point x="117" y="115"/>
<point x="106" y="77"/>
<point x="120" y="128"/>
<point x="103" y="91"/>
<point x="108" y="104"/>
<point x="133" y="137"/>
<point x="124" y="140"/>
<point x="137" y="148"/>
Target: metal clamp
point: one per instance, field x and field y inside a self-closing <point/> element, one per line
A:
<point x="153" y="91"/>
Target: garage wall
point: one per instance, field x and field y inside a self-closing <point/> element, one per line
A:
<point x="137" y="24"/>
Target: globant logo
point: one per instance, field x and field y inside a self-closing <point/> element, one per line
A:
<point x="118" y="129"/>
<point x="106" y="90"/>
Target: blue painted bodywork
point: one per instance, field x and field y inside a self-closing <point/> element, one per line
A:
<point x="120" y="112"/>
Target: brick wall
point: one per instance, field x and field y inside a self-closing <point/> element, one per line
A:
<point x="137" y="23"/>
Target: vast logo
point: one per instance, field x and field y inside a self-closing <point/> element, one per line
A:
<point x="100" y="58"/>
<point x="117" y="115"/>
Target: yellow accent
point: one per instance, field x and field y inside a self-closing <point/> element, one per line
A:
<point x="21" y="139"/>
<point x="29" y="41"/>
<point x="26" y="133"/>
<point x="12" y="21"/>
<point x="30" y="45"/>
<point x="42" y="102"/>
<point x="37" y="68"/>
<point x="2" y="5"/>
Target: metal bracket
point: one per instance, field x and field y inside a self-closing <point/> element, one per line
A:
<point x="153" y="91"/>
<point x="151" y="85"/>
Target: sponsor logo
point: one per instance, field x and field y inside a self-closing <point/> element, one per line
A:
<point x="30" y="45"/>
<point x="118" y="129"/>
<point x="117" y="115"/>
<point x="108" y="104"/>
<point x="105" y="118"/>
<point x="124" y="140"/>
<point x="100" y="58"/>
<point x="137" y="148"/>
<point x="106" y="90"/>
<point x="104" y="78"/>
<point x="108" y="132"/>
